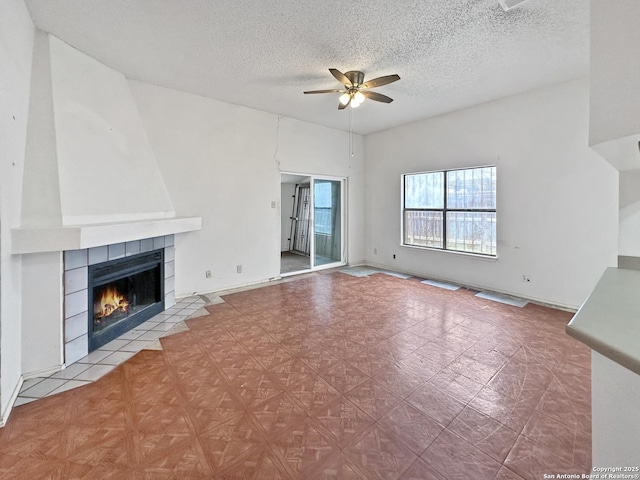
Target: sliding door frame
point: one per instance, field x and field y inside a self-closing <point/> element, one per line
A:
<point x="312" y="233"/>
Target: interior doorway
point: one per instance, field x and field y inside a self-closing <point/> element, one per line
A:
<point x="312" y="223"/>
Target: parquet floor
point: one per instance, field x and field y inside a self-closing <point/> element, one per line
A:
<point x="327" y="377"/>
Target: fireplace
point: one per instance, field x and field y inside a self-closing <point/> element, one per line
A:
<point x="122" y="294"/>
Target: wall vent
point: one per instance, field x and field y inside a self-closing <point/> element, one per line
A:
<point x="510" y="4"/>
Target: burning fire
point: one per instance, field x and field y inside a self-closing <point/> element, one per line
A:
<point x="110" y="302"/>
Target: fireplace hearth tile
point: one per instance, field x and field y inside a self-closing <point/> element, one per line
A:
<point x="177" y="318"/>
<point x="43" y="388"/>
<point x="116" y="358"/>
<point x="23" y="401"/>
<point x="151" y="335"/>
<point x="83" y="368"/>
<point x="69" y="385"/>
<point x="169" y="241"/>
<point x="95" y="372"/>
<point x="148" y="325"/>
<point x="114" y="345"/>
<point x="71" y="371"/>
<point x="163" y="327"/>
<point x="131" y="334"/>
<point x="30" y="383"/>
<point x="95" y="356"/>
<point x="134" y="346"/>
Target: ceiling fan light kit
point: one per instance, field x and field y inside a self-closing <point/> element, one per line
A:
<point x="356" y="89"/>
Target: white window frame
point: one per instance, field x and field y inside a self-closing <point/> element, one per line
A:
<point x="444" y="211"/>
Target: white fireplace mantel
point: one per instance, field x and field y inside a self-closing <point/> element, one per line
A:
<point x="75" y="237"/>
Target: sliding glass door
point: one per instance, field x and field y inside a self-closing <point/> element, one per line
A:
<point x="328" y="219"/>
<point x="312" y="223"/>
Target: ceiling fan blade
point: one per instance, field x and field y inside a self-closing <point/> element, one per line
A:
<point x="377" y="82"/>
<point x="378" y="97"/>
<point x="340" y="77"/>
<point x="325" y="91"/>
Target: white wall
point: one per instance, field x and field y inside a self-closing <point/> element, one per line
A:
<point x="616" y="413"/>
<point x="105" y="166"/>
<point x="16" y="43"/>
<point x="615" y="69"/>
<point x="223" y="162"/>
<point x="557" y="199"/>
<point x="286" y="208"/>
<point x="42" y="317"/>
<point x="629" y="232"/>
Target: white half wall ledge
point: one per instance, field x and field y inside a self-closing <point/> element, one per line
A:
<point x="75" y="237"/>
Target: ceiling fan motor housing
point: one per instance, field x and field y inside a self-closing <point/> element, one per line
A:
<point x="355" y="77"/>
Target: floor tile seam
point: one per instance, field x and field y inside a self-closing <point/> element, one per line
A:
<point x="398" y="438"/>
<point x="473" y="379"/>
<point x="191" y="422"/>
<point x="573" y="429"/>
<point x="349" y="453"/>
<point x="235" y="463"/>
<point x="342" y="397"/>
<point x="502" y="425"/>
<point x="569" y="393"/>
<point x="444" y="474"/>
<point x="185" y="403"/>
<point x="508" y="461"/>
<point x="403" y="397"/>
<point x="345" y="391"/>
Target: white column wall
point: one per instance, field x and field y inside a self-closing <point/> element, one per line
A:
<point x="557" y="199"/>
<point x="616" y="414"/>
<point x="16" y="45"/>
<point x="223" y="162"/>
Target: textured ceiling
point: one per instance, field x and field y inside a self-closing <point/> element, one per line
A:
<point x="263" y="54"/>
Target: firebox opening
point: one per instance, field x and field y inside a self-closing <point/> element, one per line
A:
<point x="123" y="294"/>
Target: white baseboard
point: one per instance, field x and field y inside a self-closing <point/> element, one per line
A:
<point x="12" y="399"/>
<point x="568" y="308"/>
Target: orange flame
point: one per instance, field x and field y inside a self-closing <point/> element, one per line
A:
<point x="111" y="301"/>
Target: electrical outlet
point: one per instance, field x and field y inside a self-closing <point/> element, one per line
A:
<point x="375" y="251"/>
<point x="273" y="204"/>
<point x="525" y="278"/>
<point x="239" y="268"/>
<point x="207" y="274"/>
<point x="394" y="256"/>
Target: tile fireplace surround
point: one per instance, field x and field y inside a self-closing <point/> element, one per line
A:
<point x="76" y="265"/>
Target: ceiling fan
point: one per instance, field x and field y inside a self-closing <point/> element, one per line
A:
<point x="356" y="89"/>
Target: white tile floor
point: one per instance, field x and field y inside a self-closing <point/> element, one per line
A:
<point x="106" y="358"/>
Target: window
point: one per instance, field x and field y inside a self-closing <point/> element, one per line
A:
<point x="451" y="210"/>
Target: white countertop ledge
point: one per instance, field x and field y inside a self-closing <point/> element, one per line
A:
<point x="609" y="320"/>
<point x="74" y="237"/>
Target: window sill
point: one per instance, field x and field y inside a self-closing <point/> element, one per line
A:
<point x="475" y="256"/>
